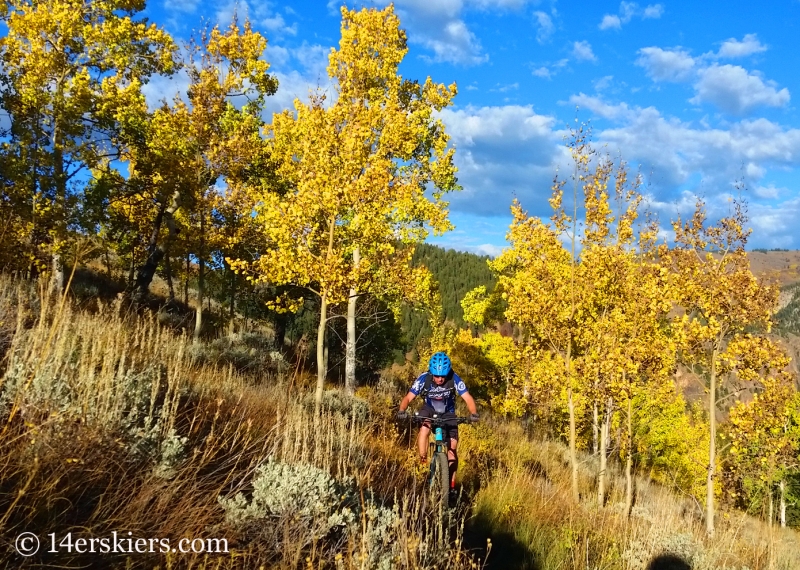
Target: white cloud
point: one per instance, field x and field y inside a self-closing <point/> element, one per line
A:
<point x="767" y="192"/>
<point x="160" y="89"/>
<point x="487" y="249"/>
<point x="677" y="152"/>
<point x="456" y="44"/>
<point x="277" y="55"/>
<point x="542" y="72"/>
<point x="774" y="224"/>
<point x="749" y="45"/>
<point x="502" y="152"/>
<point x="277" y="25"/>
<point x="506" y="88"/>
<point x="628" y="11"/>
<point x="544" y="27"/>
<point x="653" y="11"/>
<point x="299" y="71"/>
<point x="666" y="65"/>
<point x="583" y="51"/>
<point x="734" y="90"/>
<point x="439" y="27"/>
<point x="603" y="83"/>
<point x="731" y="88"/>
<point x="610" y="22"/>
<point x="600" y="107"/>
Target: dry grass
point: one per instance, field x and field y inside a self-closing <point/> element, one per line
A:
<point x="109" y="423"/>
<point x="528" y="503"/>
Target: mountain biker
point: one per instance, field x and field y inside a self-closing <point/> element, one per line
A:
<point x="439" y="386"/>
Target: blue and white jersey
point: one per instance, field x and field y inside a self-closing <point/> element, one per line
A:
<point x="441" y="398"/>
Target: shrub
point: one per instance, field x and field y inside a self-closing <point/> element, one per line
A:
<point x="253" y="352"/>
<point x="294" y="506"/>
<point x="336" y="401"/>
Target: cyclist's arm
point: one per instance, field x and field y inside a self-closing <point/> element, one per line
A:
<point x="473" y="409"/>
<point x="406" y="401"/>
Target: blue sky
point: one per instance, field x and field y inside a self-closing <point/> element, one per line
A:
<point x="696" y="95"/>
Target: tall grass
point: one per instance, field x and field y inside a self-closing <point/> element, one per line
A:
<point x="528" y="503"/>
<point x="110" y="422"/>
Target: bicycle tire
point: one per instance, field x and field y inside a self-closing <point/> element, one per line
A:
<point x="441" y="476"/>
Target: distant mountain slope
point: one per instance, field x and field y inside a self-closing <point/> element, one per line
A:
<point x="782" y="265"/>
<point x="457" y="272"/>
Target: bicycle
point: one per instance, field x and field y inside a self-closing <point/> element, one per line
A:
<point x="439" y="479"/>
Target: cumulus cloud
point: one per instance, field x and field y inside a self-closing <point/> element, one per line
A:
<point x="603" y="83"/>
<point x="677" y="152"/>
<point x="439" y="26"/>
<point x="628" y="11"/>
<point x="767" y="192"/>
<point x="682" y="159"/>
<point x="735" y="90"/>
<point x="487" y="249"/>
<point x="749" y="45"/>
<point x="654" y="11"/>
<point x="731" y="88"/>
<point x="277" y="24"/>
<point x="502" y="152"/>
<point x="544" y="26"/>
<point x="551" y="69"/>
<point x="775" y="225"/>
<point x="600" y="108"/>
<point x="582" y="51"/>
<point x="666" y="64"/>
<point x="610" y="22"/>
<point x="511" y="151"/>
<point x="300" y="71"/>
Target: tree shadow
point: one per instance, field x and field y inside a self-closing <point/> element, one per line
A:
<point x="668" y="562"/>
<point x="507" y="552"/>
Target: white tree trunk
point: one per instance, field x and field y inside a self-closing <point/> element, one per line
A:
<point x="350" y="352"/>
<point x="605" y="431"/>
<point x="783" y="503"/>
<point x="712" y="449"/>
<point x="573" y="455"/>
<point x="198" y="323"/>
<point x="321" y="368"/>
<point x="771" y="506"/>
<point x="629" y="461"/>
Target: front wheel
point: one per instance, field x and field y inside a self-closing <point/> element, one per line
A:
<point x="440" y="476"/>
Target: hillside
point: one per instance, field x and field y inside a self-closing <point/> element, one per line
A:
<point x="114" y="424"/>
<point x="780" y="265"/>
<point x="457" y="273"/>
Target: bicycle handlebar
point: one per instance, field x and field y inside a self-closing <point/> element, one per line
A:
<point x="440" y="421"/>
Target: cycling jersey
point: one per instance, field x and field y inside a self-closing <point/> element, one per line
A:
<point x="441" y="398"/>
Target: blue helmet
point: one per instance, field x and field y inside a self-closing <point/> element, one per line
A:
<point x="439" y="364"/>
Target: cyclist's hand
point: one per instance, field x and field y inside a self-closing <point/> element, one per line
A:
<point x="402" y="416"/>
<point x="473" y="418"/>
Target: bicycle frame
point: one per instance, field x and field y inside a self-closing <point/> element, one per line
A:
<point x="438" y="448"/>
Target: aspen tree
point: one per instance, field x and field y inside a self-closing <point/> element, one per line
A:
<point x="721" y="299"/>
<point x="178" y="156"/>
<point x="764" y="433"/>
<point x="358" y="170"/>
<point x="74" y="74"/>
